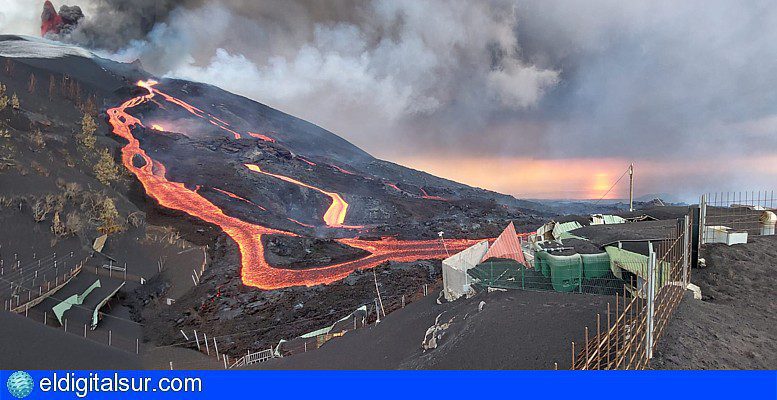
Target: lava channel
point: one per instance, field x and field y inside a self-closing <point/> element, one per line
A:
<point x="255" y="270"/>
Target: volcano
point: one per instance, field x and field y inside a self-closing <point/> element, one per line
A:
<point x="255" y="172"/>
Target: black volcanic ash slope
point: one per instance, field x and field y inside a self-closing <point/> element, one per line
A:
<point x="44" y="165"/>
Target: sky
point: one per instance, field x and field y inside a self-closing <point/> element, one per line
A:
<point x="538" y="99"/>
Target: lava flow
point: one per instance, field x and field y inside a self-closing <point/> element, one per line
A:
<point x="334" y="215"/>
<point x="255" y="270"/>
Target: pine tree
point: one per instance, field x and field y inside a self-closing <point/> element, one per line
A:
<point x="106" y="170"/>
<point x="86" y="136"/>
<point x="109" y="218"/>
<point x="3" y="98"/>
<point x="57" y="226"/>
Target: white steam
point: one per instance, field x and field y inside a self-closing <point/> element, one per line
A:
<point x="364" y="77"/>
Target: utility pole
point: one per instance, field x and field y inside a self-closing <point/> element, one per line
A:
<point x="442" y="239"/>
<point x="631" y="187"/>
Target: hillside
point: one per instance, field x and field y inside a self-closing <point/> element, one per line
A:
<point x="274" y="206"/>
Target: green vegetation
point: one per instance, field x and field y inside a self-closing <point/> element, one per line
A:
<point x="109" y="218"/>
<point x="106" y="170"/>
<point x="3" y="98"/>
<point x="86" y="136"/>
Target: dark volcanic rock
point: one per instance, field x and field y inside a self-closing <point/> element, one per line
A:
<point x="294" y="252"/>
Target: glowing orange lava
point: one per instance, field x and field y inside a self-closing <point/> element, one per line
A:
<point x="261" y="137"/>
<point x="308" y="162"/>
<point x="255" y="271"/>
<point x="342" y="171"/>
<point x="334" y="215"/>
<point x="425" y="195"/>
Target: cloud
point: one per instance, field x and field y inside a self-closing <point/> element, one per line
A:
<point x="369" y="71"/>
<point x="646" y="79"/>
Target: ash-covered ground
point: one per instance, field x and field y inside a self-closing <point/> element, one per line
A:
<point x="56" y="183"/>
<point x="733" y="326"/>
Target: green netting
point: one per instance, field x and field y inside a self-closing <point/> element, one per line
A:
<point x="595" y="265"/>
<point x="508" y="274"/>
<point x="564" y="274"/>
<point x="76" y="299"/>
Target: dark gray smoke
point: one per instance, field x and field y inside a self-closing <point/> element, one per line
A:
<point x="655" y="80"/>
<point x="71" y="17"/>
<point x="113" y="24"/>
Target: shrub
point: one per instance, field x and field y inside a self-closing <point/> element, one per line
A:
<point x="73" y="223"/>
<point x="137" y="218"/>
<point x="57" y="226"/>
<point x="36" y="137"/>
<point x="40" y="209"/>
<point x="15" y="102"/>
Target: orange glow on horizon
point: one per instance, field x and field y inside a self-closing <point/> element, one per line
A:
<point x="531" y="178"/>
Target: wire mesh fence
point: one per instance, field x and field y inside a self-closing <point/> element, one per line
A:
<point x="104" y="336"/>
<point x="24" y="284"/>
<point x="624" y="338"/>
<point x="581" y="273"/>
<point x="725" y="213"/>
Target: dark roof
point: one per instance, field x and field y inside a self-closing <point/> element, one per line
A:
<point x="602" y="235"/>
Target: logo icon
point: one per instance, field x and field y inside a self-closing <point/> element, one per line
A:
<point x="20" y="384"/>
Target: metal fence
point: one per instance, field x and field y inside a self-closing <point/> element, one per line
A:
<point x="737" y="212"/>
<point x="24" y="283"/>
<point x="626" y="336"/>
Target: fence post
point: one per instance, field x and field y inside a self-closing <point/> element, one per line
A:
<point x="650" y="305"/>
<point x="703" y="219"/>
<point x="207" y="346"/>
<point x="492" y="274"/>
<point x="197" y="339"/>
<point x="686" y="245"/>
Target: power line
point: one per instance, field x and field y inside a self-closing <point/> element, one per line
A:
<point x="613" y="185"/>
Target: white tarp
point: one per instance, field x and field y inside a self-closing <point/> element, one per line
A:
<point x="456" y="282"/>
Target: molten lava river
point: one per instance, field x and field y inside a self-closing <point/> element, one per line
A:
<point x="255" y="270"/>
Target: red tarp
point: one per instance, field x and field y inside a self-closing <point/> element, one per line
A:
<point x="506" y="246"/>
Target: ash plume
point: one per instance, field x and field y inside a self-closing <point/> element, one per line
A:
<point x="57" y="24"/>
<point x="504" y="78"/>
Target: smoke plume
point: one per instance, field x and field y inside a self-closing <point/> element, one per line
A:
<point x="638" y="80"/>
